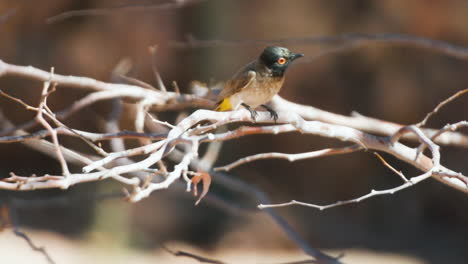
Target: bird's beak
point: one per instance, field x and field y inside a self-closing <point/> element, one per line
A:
<point x="296" y="56"/>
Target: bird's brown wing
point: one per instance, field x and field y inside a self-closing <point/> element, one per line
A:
<point x="237" y="83"/>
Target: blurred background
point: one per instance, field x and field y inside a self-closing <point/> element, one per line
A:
<point x="424" y="224"/>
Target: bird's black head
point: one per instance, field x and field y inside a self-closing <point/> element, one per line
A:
<point x="278" y="59"/>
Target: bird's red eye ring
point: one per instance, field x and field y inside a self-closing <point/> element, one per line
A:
<point x="281" y="61"/>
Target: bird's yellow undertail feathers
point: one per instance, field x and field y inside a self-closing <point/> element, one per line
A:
<point x="225" y="105"/>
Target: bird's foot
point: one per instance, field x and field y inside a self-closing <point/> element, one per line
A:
<point x="252" y="111"/>
<point x="273" y="113"/>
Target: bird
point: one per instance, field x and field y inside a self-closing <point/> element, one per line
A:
<point x="257" y="82"/>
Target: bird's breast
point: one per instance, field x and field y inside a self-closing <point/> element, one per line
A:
<point x="260" y="91"/>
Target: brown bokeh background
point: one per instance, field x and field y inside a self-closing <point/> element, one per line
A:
<point x="394" y="83"/>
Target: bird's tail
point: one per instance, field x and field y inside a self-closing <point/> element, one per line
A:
<point x="223" y="105"/>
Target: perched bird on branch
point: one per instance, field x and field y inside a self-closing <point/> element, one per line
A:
<point x="256" y="83"/>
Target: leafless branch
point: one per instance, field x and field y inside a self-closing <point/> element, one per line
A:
<point x="440" y="105"/>
<point x="363" y="123"/>
<point x="182" y="139"/>
<point x="372" y="193"/>
<point x="347" y="41"/>
<point x="185" y="133"/>
<point x="384" y="162"/>
<point x="436" y="169"/>
<point x="173" y="101"/>
<point x="89" y="135"/>
<point x="291" y="157"/>
<point x="53" y="133"/>
<point x="259" y="196"/>
<point x="157" y="76"/>
<point x="122" y="8"/>
<point x="449" y="127"/>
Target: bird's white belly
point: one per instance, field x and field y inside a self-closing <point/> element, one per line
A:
<point x="254" y="96"/>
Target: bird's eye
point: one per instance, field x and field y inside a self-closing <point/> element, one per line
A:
<point x="281" y="61"/>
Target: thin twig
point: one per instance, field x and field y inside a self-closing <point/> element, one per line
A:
<point x="121" y="8"/>
<point x="307" y="261"/>
<point x="260" y="197"/>
<point x="19" y="101"/>
<point x="200" y="259"/>
<point x="14" y="222"/>
<point x="157" y="76"/>
<point x="137" y="82"/>
<point x="384" y="162"/>
<point x="449" y="127"/>
<point x="53" y="133"/>
<point x="291" y="157"/>
<point x="372" y="193"/>
<point x="176" y="87"/>
<point x="440" y="105"/>
<point x="89" y="142"/>
<point x="435" y="169"/>
<point x="349" y="40"/>
<point x="156" y="120"/>
<point x="89" y="135"/>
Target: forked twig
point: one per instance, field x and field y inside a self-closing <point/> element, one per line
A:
<point x="440" y="105"/>
<point x="435" y="169"/>
<point x="372" y="193"/>
<point x="53" y="133"/>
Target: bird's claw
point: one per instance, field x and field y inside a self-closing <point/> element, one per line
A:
<point x="273" y="113"/>
<point x="252" y="111"/>
<point x="253" y="114"/>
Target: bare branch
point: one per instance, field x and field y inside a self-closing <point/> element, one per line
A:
<point x="436" y="169"/>
<point x="173" y="101"/>
<point x="179" y="143"/>
<point x="372" y="193"/>
<point x="155" y="120"/>
<point x="440" y="105"/>
<point x="53" y="133"/>
<point x="348" y="41"/>
<point x="422" y="137"/>
<point x="157" y="76"/>
<point x="136" y="82"/>
<point x="456" y="177"/>
<point x="291" y="157"/>
<point x="449" y="127"/>
<point x="121" y="8"/>
<point x="200" y="127"/>
<point x="384" y="162"/>
<point x="89" y="135"/>
<point x="239" y="186"/>
<point x="367" y="124"/>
